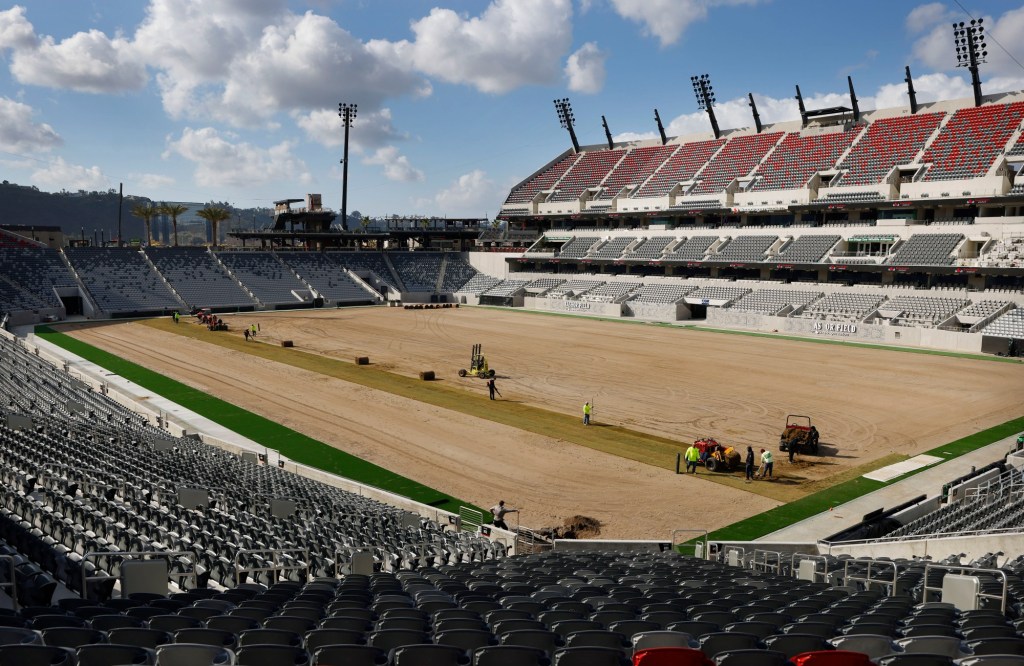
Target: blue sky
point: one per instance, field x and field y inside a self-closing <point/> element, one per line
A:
<point x="236" y="100"/>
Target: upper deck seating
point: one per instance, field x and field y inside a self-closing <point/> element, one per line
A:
<point x="197" y="277"/>
<point x="264" y="276"/>
<point x="692" y="249"/>
<point x="419" y="271"/>
<point x="479" y="283"/>
<point x="1007" y="325"/>
<point x="682" y="166"/>
<point x="715" y="292"/>
<point x="614" y="248"/>
<point x="542" y="181"/>
<point x="926" y="250"/>
<point x="578" y="247"/>
<point x="651" y="248"/>
<point x="969" y="143"/>
<point x="888" y="142"/>
<point x="844" y="306"/>
<point x="738" y="158"/>
<point x="590" y="171"/>
<point x="372" y="262"/>
<point x="38" y="270"/>
<point x="662" y="293"/>
<point x="120" y="280"/>
<point x="807" y="249"/>
<point x="796" y="159"/>
<point x="327" y="276"/>
<point x="771" y="301"/>
<point x="745" y="248"/>
<point x="635" y="168"/>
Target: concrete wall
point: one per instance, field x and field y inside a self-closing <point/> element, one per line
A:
<point x="664" y="312"/>
<point x="937" y="548"/>
<point x="494" y="264"/>
<point x="611" y="545"/>
<point x="573" y="307"/>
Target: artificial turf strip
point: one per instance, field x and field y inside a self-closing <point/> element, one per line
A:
<point x="294" y="445"/>
<point x="793" y="512"/>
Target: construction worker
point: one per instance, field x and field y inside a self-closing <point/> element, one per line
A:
<point x="176" y="316"/>
<point x="498" y="512"/>
<point x="492" y="389"/>
<point x="767" y="462"/>
<point x="252" y="330"/>
<point x="692" y="457"/>
<point x="246" y="332"/>
<point x="586" y="413"/>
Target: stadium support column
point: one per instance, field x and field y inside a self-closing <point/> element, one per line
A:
<point x="853" y="100"/>
<point x="910" y="92"/>
<point x="661" y="128"/>
<point x="757" y="116"/>
<point x="347" y="112"/>
<point x="566" y="119"/>
<point x="607" y="133"/>
<point x="705" y="95"/>
<point x="120" y="209"/>
<point x="803" y="109"/>
<point x="969" y="39"/>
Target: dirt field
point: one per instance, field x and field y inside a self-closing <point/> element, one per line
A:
<point x="678" y="383"/>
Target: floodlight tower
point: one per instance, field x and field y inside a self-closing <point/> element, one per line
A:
<point x="911" y="91"/>
<point x="565" y="117"/>
<point x="969" y="39"/>
<point x="607" y="133"/>
<point x="347" y="112"/>
<point x="757" y="116"/>
<point x="706" y="99"/>
<point x="661" y="128"/>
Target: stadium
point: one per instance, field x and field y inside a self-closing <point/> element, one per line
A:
<point x="296" y="470"/>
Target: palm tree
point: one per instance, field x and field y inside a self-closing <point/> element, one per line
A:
<point x="214" y="216"/>
<point x="174" y="210"/>
<point x="146" y="212"/>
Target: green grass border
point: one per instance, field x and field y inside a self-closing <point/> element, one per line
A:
<point x="292" y="444"/>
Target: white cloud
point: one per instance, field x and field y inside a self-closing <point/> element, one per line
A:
<point x="18" y="133"/>
<point x="511" y="44"/>
<point x="396" y="166"/>
<point x="668" y="19"/>
<point x="15" y="30"/>
<point x="150" y="181"/>
<point x="923" y="17"/>
<point x="221" y="163"/>
<point x="59" y="175"/>
<point x="469" y="195"/>
<point x="87" y="61"/>
<point x="369" y="131"/>
<point x="585" y="69"/>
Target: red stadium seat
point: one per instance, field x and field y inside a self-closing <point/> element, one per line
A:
<point x="831" y="658"/>
<point x="670" y="656"/>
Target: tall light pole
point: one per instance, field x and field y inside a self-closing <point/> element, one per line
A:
<point x="705" y="95"/>
<point x="969" y="39"/>
<point x="347" y="112"/>
<point x="566" y="119"/>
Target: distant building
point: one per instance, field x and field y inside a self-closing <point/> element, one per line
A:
<point x="52" y="236"/>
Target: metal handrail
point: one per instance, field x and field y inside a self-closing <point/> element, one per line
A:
<point x="706" y="546"/>
<point x="922" y="537"/>
<point x="867" y="579"/>
<point x="276" y="567"/>
<point x="796" y="558"/>
<point x="962" y="570"/>
<point x="763" y="563"/>
<point x="142" y="555"/>
<point x="724" y="554"/>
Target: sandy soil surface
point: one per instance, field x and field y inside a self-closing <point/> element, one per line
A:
<point x="682" y="384"/>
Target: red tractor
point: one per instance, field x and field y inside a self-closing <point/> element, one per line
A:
<point x="717" y="457"/>
<point x="799" y="435"/>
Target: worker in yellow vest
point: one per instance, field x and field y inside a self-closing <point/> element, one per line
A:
<point x="587" y="408"/>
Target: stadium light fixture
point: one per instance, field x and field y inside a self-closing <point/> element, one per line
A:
<point x="969" y="40"/>
<point x="347" y="112"/>
<point x="567" y="119"/>
<point x="705" y="95"/>
<point x="661" y="128"/>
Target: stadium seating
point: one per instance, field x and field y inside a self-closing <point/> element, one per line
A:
<point x="926" y="250"/>
<point x="771" y="301"/>
<point x="368" y="262"/>
<point x="968" y="144"/>
<point x="651" y="248"/>
<point x="808" y="249"/>
<point x="573" y="288"/>
<point x="693" y="248"/>
<point x="745" y="248"/>
<point x="37" y="270"/>
<point x="796" y="159"/>
<point x="479" y="284"/>
<point x="505" y="288"/>
<point x="844" y="306"/>
<point x="455" y="273"/>
<point x="589" y="171"/>
<point x="526" y="192"/>
<point x="320" y="271"/>
<point x="738" y="158"/>
<point x="614" y="248"/>
<point x="682" y="166"/>
<point x="541" y="285"/>
<point x="14" y="298"/>
<point x="611" y="292"/>
<point x="922" y="310"/>
<point x="197" y="278"/>
<point x="717" y="293"/>
<point x="886" y="143"/>
<point x="578" y="247"/>
<point x="661" y="293"/>
<point x="635" y="168"/>
<point x="418" y="271"/>
<point x="122" y="280"/>
<point x="265" y="277"/>
<point x="1007" y="325"/>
